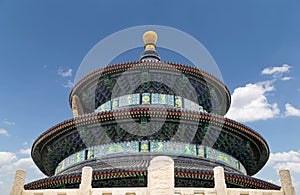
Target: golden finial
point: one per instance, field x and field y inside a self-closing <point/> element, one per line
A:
<point x="150" y="38"/>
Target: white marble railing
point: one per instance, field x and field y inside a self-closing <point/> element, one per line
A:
<point x="160" y="182"/>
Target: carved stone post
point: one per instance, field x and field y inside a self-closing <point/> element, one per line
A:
<point x="76" y="106"/>
<point x="286" y="183"/>
<point x="19" y="182"/>
<point x="86" y="181"/>
<point x="161" y="176"/>
<point x="219" y="177"/>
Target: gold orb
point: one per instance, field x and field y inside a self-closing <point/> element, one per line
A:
<point x="150" y="37"/>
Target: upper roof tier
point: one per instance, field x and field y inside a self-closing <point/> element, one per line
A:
<point x="164" y="83"/>
<point x="115" y="81"/>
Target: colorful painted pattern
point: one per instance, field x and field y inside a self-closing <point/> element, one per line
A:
<point x="150" y="98"/>
<point x="222" y="157"/>
<point x="173" y="147"/>
<point x="110" y="149"/>
<point x="145" y="146"/>
<point x="71" y="160"/>
<point x="228" y="125"/>
<point x="154" y="146"/>
<point x="190" y="105"/>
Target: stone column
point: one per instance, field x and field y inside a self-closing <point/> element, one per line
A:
<point x="161" y="176"/>
<point x="219" y="177"/>
<point x="19" y="182"/>
<point x="286" y="183"/>
<point x="86" y="181"/>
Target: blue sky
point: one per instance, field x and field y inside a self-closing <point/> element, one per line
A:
<point x="255" y="43"/>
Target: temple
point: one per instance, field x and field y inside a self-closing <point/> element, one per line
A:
<point x="150" y="127"/>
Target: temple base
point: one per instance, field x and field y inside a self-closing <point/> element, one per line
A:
<point x="160" y="181"/>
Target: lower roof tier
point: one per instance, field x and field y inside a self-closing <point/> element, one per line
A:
<point x="144" y="123"/>
<point x="131" y="171"/>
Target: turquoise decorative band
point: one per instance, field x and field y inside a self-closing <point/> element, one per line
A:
<point x="154" y="146"/>
<point x="150" y="98"/>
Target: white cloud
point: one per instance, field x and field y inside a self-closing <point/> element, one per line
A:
<point x="296" y="184"/>
<point x="9" y="163"/>
<point x="291" y="156"/>
<point x="291" y="110"/>
<point x="285" y="160"/>
<point x="286" y="78"/>
<point x="25" y="163"/>
<point x="6" y="159"/>
<point x="70" y="84"/>
<point x="276" y="71"/>
<point x="25" y="151"/>
<point x="7" y="122"/>
<point x="64" y="73"/>
<point x="4" y="132"/>
<point x="292" y="166"/>
<point x="250" y="103"/>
